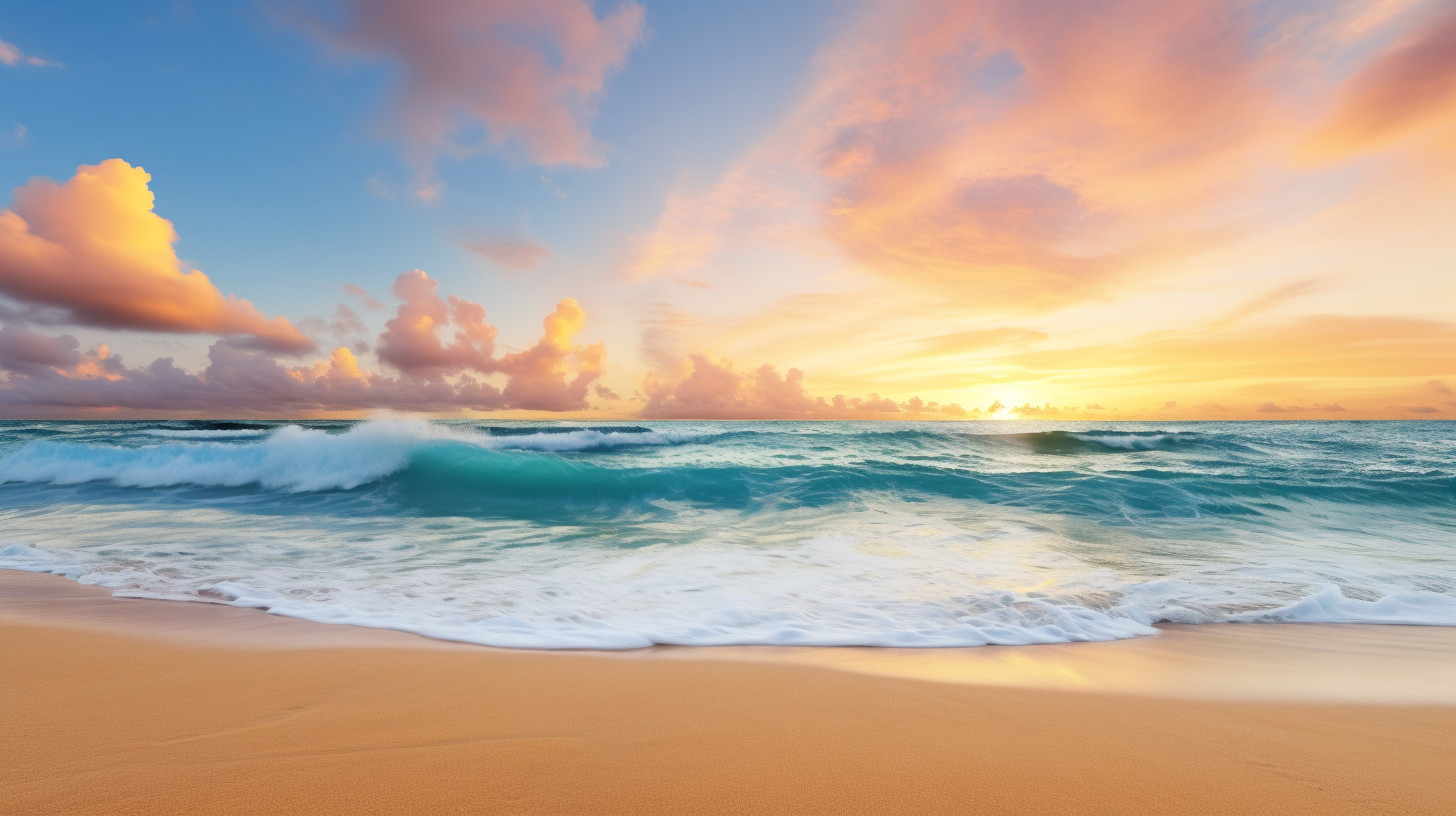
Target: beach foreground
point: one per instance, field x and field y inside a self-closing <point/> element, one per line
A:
<point x="132" y="706"/>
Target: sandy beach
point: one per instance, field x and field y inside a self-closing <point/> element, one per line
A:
<point x="134" y="706"/>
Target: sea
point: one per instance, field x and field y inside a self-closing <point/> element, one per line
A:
<point x="594" y="535"/>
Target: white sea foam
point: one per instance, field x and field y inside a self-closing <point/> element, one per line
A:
<point x="238" y="433"/>
<point x="1126" y="441"/>
<point x="1003" y="586"/>
<point x="288" y="458"/>
<point x="1330" y="605"/>
<point x="588" y="439"/>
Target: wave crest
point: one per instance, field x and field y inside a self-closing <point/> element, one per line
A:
<point x="301" y="459"/>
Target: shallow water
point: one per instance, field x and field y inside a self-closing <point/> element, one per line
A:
<point x="619" y="535"/>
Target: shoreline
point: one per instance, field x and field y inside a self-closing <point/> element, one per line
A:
<point x="120" y="705"/>
<point x="1258" y="662"/>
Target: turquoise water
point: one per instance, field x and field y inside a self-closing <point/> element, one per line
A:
<point x="625" y="534"/>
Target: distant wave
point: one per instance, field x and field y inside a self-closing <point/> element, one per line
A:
<point x="450" y="470"/>
<point x="170" y="433"/>
<point x="300" y="459"/>
<point x="1098" y="441"/>
<point x="574" y="440"/>
<point x="534" y="429"/>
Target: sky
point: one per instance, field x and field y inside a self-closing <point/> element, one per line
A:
<point x="930" y="209"/>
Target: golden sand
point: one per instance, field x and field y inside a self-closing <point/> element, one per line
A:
<point x="125" y="706"/>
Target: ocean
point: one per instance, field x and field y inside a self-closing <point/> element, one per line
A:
<point x="620" y="535"/>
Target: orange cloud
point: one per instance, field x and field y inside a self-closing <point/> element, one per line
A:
<point x="1024" y="161"/>
<point x="1411" y="85"/>
<point x="526" y="72"/>
<point x="93" y="247"/>
<point x="1031" y="159"/>
<point x="554" y="374"/>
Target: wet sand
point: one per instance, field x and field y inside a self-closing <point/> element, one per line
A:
<point x="129" y="706"/>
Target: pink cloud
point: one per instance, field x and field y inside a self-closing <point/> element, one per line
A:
<point x="1023" y="160"/>
<point x="411" y="342"/>
<point x="525" y="72"/>
<point x="363" y="295"/>
<point x="47" y="374"/>
<point x="1410" y="84"/>
<point x="512" y="253"/>
<point x="93" y="247"/>
<point x="1029" y="158"/>
<point x="11" y="55"/>
<point x="237" y="381"/>
<point x="554" y="374"/>
<point x="711" y="390"/>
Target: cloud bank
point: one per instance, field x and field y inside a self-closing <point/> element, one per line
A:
<point x="710" y="390"/>
<point x="44" y="374"/>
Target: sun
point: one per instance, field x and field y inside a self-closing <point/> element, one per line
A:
<point x="1008" y="402"/>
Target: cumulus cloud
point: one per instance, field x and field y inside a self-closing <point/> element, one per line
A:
<point x="11" y="55"/>
<point x="411" y="340"/>
<point x="1028" y="409"/>
<point x="93" y="247"/>
<point x="524" y="73"/>
<point x="27" y="352"/>
<point x="554" y="374"/>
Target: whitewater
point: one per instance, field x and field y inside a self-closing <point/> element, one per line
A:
<point x="627" y="534"/>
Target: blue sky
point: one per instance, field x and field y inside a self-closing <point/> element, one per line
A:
<point x="265" y="151"/>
